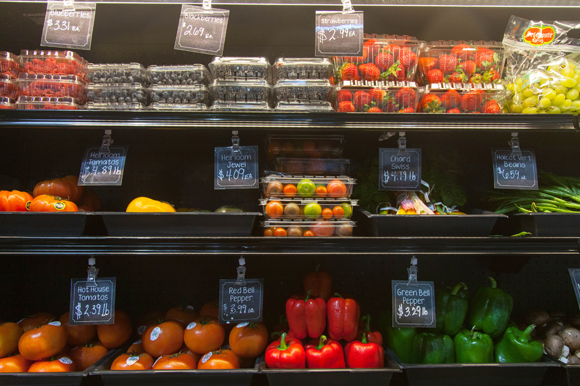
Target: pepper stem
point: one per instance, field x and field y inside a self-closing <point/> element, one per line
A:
<point x="321" y="342"/>
<point x="338" y="295"/>
<point x="367" y="321"/>
<point x="493" y="282"/>
<point x="364" y="338"/>
<point x="525" y="335"/>
<point x="283" y="346"/>
<point x="458" y="287"/>
<point x="307" y="295"/>
<point x="472" y="332"/>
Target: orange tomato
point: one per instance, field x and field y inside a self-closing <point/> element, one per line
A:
<point x="10" y="333"/>
<point x="210" y="309"/>
<point x="136" y="347"/>
<point x="114" y="335"/>
<point x="14" y="201"/>
<point x="42" y="342"/>
<point x="46" y="203"/>
<point x="163" y="339"/>
<point x="338" y="211"/>
<point x="321" y="191"/>
<point x="149" y="319"/>
<point x="89" y="202"/>
<point x="186" y="350"/>
<point x="336" y="188"/>
<point x="327" y="213"/>
<point x="60" y="365"/>
<point x="308" y="233"/>
<point x="204" y="334"/>
<point x="269" y="232"/>
<point x="80" y="334"/>
<point x="182" y="315"/>
<point x="34" y="321"/>
<point x="66" y="187"/>
<point x="274" y="209"/>
<point x="142" y="361"/>
<point x="248" y="340"/>
<point x="289" y="190"/>
<point x="280" y="232"/>
<point x="219" y="360"/>
<point x="179" y="361"/>
<point x="14" y="364"/>
<point x="87" y="355"/>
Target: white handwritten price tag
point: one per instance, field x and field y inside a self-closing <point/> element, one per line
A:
<point x="399" y="170"/>
<point x="413" y="305"/>
<point x="241" y="302"/>
<point x="92" y="302"/>
<point x="236" y="168"/>
<point x="202" y="30"/>
<point x="514" y="171"/>
<point x="101" y="168"/>
<point x="68" y="27"/>
<point x="339" y="33"/>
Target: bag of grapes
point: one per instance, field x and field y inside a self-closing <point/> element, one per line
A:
<point x="542" y="67"/>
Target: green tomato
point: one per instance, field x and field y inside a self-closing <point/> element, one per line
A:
<point x="312" y="211"/>
<point x="306" y="188"/>
<point x="347" y="210"/>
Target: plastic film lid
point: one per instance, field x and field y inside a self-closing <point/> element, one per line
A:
<point x="316" y="106"/>
<point x="464" y="87"/>
<point x="68" y="55"/>
<point x="304" y="201"/>
<point x="239" y="67"/>
<point x="240" y="106"/>
<point x="289" y="179"/>
<point x="178" y="107"/>
<point x="305" y="223"/>
<point x="133" y="66"/>
<point x="179" y="68"/>
<point x="115" y="86"/>
<point x="260" y="83"/>
<point x="377" y="84"/>
<point x="114" y="106"/>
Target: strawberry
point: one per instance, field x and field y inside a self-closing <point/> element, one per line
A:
<point x="430" y="103"/>
<point x="395" y="72"/>
<point x="405" y="97"/>
<point x="392" y="49"/>
<point x="447" y="63"/>
<point x="356" y="59"/>
<point x="371" y="48"/>
<point x="346" y="107"/>
<point x="369" y="71"/>
<point x="468" y="67"/>
<point x="349" y="71"/>
<point x="490" y="76"/>
<point x="384" y="60"/>
<point x="450" y="99"/>
<point x="462" y="51"/>
<point x="374" y="110"/>
<point x="426" y="64"/>
<point x="435" y="76"/>
<point x="407" y="57"/>
<point x="378" y="96"/>
<point x="485" y="58"/>
<point x="470" y="102"/>
<point x="456" y="77"/>
<point x="454" y="110"/>
<point x="407" y="110"/>
<point x="343" y="95"/>
<point x="360" y="99"/>
<point x="491" y="107"/>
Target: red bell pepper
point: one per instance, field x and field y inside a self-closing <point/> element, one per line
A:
<point x="343" y="316"/>
<point x="365" y="329"/>
<point x="319" y="283"/>
<point x="306" y="317"/>
<point x="324" y="354"/>
<point x="286" y="354"/>
<point x="364" y="355"/>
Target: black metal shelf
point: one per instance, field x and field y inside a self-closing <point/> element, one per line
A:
<point x="284" y="121"/>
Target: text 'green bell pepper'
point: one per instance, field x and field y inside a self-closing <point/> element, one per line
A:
<point x="451" y="308"/>
<point x="398" y="339"/>
<point x="433" y="348"/>
<point x="490" y="309"/>
<point x="517" y="346"/>
<point x="473" y="347"/>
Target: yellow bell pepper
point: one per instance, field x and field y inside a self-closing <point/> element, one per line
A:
<point x="144" y="204"/>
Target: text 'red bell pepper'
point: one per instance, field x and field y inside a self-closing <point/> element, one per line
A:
<point x="144" y="204"/>
<point x="306" y="317"/>
<point x="319" y="283"/>
<point x="364" y="355"/>
<point x="324" y="354"/>
<point x="14" y="201"/>
<point x="365" y="329"/>
<point x="343" y="315"/>
<point x="490" y="309"/>
<point x="286" y="354"/>
<point x="517" y="346"/>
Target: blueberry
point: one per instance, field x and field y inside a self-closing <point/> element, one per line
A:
<point x="155" y="97"/>
<point x="169" y="100"/>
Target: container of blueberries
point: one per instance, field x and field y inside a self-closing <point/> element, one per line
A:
<point x="179" y="95"/>
<point x="180" y="75"/>
<point x="303" y="90"/>
<point x="302" y="68"/>
<point x="241" y="91"/>
<point x="118" y="73"/>
<point x="240" y="68"/>
<point x="129" y="94"/>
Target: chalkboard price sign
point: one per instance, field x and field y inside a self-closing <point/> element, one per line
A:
<point x="241" y="302"/>
<point x="575" y="276"/>
<point x="413" y="304"/>
<point x="236" y="168"/>
<point x="514" y="171"/>
<point x="101" y="168"/>
<point x="202" y="30"/>
<point x="92" y="302"/>
<point x="68" y="27"/>
<point x="399" y="169"/>
<point x="339" y="33"/>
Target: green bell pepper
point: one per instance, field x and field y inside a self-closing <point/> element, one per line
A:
<point x="399" y="339"/>
<point x="473" y="347"/>
<point x="433" y="348"/>
<point x="517" y="346"/>
<point x="490" y="309"/>
<point x="451" y="308"/>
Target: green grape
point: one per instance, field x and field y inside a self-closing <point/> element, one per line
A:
<point x="527" y="92"/>
<point x="554" y="68"/>
<point x="530" y="110"/>
<point x="572" y="65"/>
<point x="516" y="108"/>
<point x="510" y="87"/>
<point x="568" y="72"/>
<point x="518" y="88"/>
<point x="567" y="103"/>
<point x="554" y="110"/>
<point x="572" y="94"/>
<point x="559" y="100"/>
<point x="542" y="111"/>
<point x="531" y="101"/>
<point x="545" y="103"/>
<point x="519" y="82"/>
<point x="568" y="82"/>
<point x="561" y="89"/>
<point x="576" y="105"/>
<point x="549" y="93"/>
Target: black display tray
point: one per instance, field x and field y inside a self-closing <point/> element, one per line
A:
<point x="179" y="224"/>
<point x="547" y="224"/>
<point x="572" y="374"/>
<point x="43" y="224"/>
<point x="476" y="224"/>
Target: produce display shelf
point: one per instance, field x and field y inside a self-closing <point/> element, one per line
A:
<point x="276" y="121"/>
<point x="356" y="246"/>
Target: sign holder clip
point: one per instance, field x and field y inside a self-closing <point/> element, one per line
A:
<point x="413" y="270"/>
<point x="92" y="271"/>
<point x="207" y="5"/>
<point x="241" y="280"/>
<point x="68" y="5"/>
<point x="347" y="6"/>
<point x="235" y="141"/>
<point x="107" y="142"/>
<point x="515" y="145"/>
<point x="402" y="142"/>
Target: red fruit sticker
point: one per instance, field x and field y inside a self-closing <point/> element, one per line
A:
<point x="538" y="36"/>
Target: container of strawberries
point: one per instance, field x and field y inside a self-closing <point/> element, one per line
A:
<point x="10" y="65"/>
<point x="385" y="58"/>
<point x="9" y="89"/>
<point x="54" y="62"/>
<point x="462" y="98"/>
<point x="376" y="97"/>
<point x="5" y="104"/>
<point x="446" y="61"/>
<point x="46" y="103"/>
<point x="52" y="86"/>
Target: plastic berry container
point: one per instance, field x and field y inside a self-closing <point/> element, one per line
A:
<point x="385" y="58"/>
<point x="52" y="86"/>
<point x="376" y="97"/>
<point x="312" y="166"/>
<point x="303" y="90"/>
<point x="5" y="104"/>
<point x="117" y="94"/>
<point x="445" y="61"/>
<point x="47" y="103"/>
<point x="114" y="106"/>
<point x="241" y="106"/>
<point x="9" y="89"/>
<point x="244" y="91"/>
<point x="117" y="73"/>
<point x="463" y="98"/>
<point x="54" y="62"/>
<point x="305" y="146"/>
<point x="305" y="107"/>
<point x="302" y="68"/>
<point x="177" y="107"/>
<point x="240" y="68"/>
<point x="305" y="228"/>
<point x="180" y="75"/>
<point x="179" y="95"/>
<point x="307" y="209"/>
<point x="281" y="186"/>
<point x="10" y="65"/>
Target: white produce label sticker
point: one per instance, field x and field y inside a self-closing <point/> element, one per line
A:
<point x="155" y="334"/>
<point x="65" y="360"/>
<point x="191" y="325"/>
<point x="56" y="324"/>
<point x="242" y="325"/>
<point x="132" y="360"/>
<point x="206" y="357"/>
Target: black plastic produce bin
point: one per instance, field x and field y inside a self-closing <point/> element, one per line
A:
<point x="572" y="374"/>
<point x="547" y="224"/>
<point x="43" y="224"/>
<point x="179" y="224"/>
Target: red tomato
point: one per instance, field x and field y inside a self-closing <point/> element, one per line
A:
<point x="89" y="202"/>
<point x="179" y="361"/>
<point x="336" y="188"/>
<point x="321" y="191"/>
<point x="163" y="339"/>
<point x="14" y="364"/>
<point x="114" y="335"/>
<point x="182" y="315"/>
<point x="60" y="365"/>
<point x="210" y="309"/>
<point x="66" y="188"/>
<point x="46" y="203"/>
<point x="219" y="360"/>
<point x="149" y="319"/>
<point x="80" y="334"/>
<point x="87" y="355"/>
<point x="42" y="342"/>
<point x="142" y="361"/>
<point x="248" y="340"/>
<point x="338" y="211"/>
<point x="10" y="333"/>
<point x="136" y="347"/>
<point x="34" y="321"/>
<point x="204" y="335"/>
<point x="14" y="201"/>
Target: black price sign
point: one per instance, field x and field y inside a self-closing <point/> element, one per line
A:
<point x="339" y="33"/>
<point x="68" y="27"/>
<point x="399" y="169"/>
<point x="241" y="302"/>
<point x="575" y="276"/>
<point x="236" y="168"/>
<point x="202" y="30"/>
<point x="514" y="171"/>
<point x="413" y="304"/>
<point x="101" y="168"/>
<point x="92" y="302"/>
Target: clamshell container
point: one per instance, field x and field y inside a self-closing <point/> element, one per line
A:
<point x="114" y="107"/>
<point x="305" y="107"/>
<point x="5" y="104"/>
<point x="54" y="62"/>
<point x="241" y="92"/>
<point x="52" y="86"/>
<point x="186" y="75"/>
<point x="303" y="90"/>
<point x="376" y="97"/>
<point x="240" y="68"/>
<point x="462" y="98"/>
<point x="117" y="94"/>
<point x="241" y="106"/>
<point x="304" y="228"/>
<point x="305" y="146"/>
<point x="175" y="107"/>
<point x="301" y="69"/>
<point x="286" y="186"/>
<point x="10" y="65"/>
<point x="46" y="103"/>
<point x="117" y="73"/>
<point x="307" y="209"/>
<point x="179" y="95"/>
<point x="9" y="89"/>
<point x="312" y="166"/>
